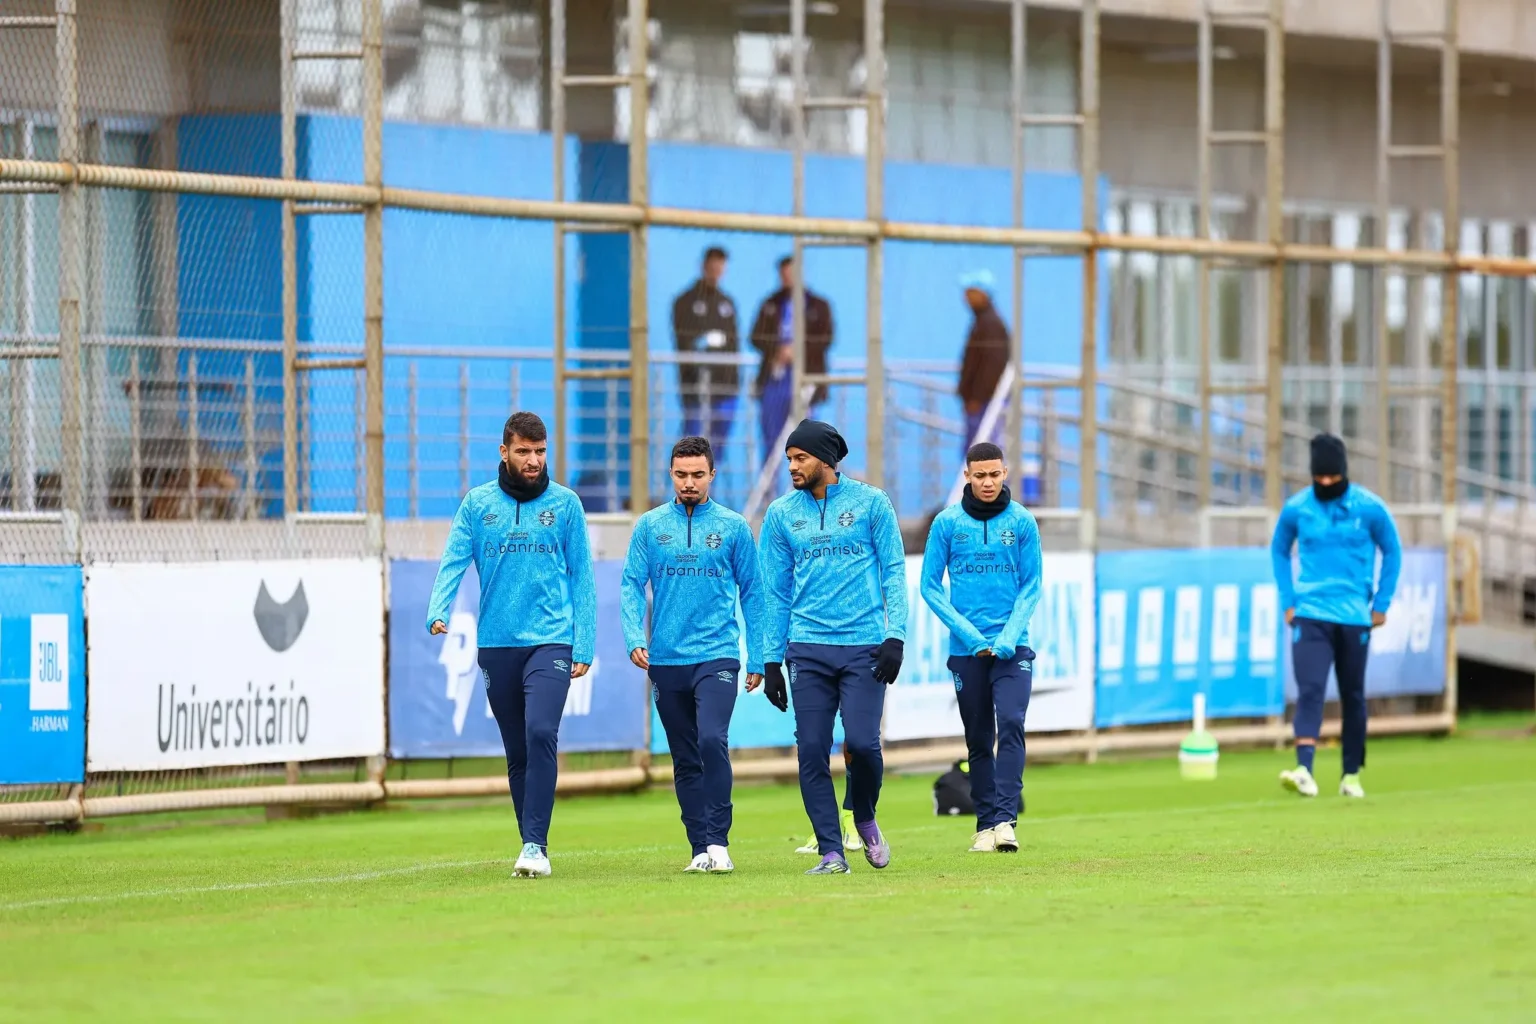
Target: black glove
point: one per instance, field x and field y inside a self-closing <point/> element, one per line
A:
<point x="888" y="661"/>
<point x="773" y="685"/>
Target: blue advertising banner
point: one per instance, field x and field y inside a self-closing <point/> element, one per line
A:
<point x="42" y="674"/>
<point x="1176" y="623"/>
<point x="754" y="722"/>
<point x="1408" y="652"/>
<point x="437" y="705"/>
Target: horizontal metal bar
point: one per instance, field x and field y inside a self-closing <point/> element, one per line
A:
<point x="310" y="209"/>
<point x="596" y="81"/>
<point x="328" y="364"/>
<point x="10" y="188"/>
<point x="40" y="518"/>
<point x="1039" y="383"/>
<point x="1430" y="36"/>
<point x="1415" y="391"/>
<point x="1237" y="138"/>
<point x="836" y="102"/>
<point x="29" y="352"/>
<point x="29" y="21"/>
<point x="819" y="242"/>
<point x="1051" y="120"/>
<point x="1238" y="389"/>
<point x="596" y="229"/>
<point x="327" y="54"/>
<point x="581" y="373"/>
<point x="834" y="379"/>
<point x="1251" y="18"/>
<point x="327" y="517"/>
<point x="1415" y="152"/>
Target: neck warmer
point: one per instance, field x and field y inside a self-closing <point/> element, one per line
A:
<point x="984" y="510"/>
<point x="516" y="487"/>
<point x="1330" y="492"/>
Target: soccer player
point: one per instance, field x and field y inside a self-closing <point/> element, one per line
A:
<point x="834" y="576"/>
<point x="538" y="615"/>
<point x="991" y="548"/>
<point x="1338" y="528"/>
<point x="699" y="558"/>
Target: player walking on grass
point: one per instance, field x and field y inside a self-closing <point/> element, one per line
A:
<point x="836" y="593"/>
<point x="1337" y="529"/>
<point x="527" y="538"/>
<point x="698" y="557"/>
<point x="990" y="546"/>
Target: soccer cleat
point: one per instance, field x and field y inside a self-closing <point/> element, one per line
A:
<point x="1007" y="842"/>
<point x="876" y="850"/>
<point x="698" y="865"/>
<point x="719" y="861"/>
<point x="532" y="862"/>
<point x="984" y="842"/>
<point x="1300" y="781"/>
<point x="1349" y="785"/>
<point x="831" y="864"/>
<point x="851" y="840"/>
<point x="810" y="846"/>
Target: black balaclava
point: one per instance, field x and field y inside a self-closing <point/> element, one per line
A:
<point x="984" y="510"/>
<point x="1329" y="459"/>
<point x="819" y="439"/>
<point x="518" y="488"/>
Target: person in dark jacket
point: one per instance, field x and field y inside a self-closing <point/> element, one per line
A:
<point x="773" y="337"/>
<point x="704" y="320"/>
<point x="986" y="353"/>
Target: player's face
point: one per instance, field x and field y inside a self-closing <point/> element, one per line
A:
<point x="986" y="478"/>
<point x="691" y="477"/>
<point x="806" y="471"/>
<point x="525" y="458"/>
<point x="714" y="270"/>
<point x="1326" y="481"/>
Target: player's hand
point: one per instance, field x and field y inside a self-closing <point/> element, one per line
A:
<point x="1378" y="619"/>
<point x="773" y="686"/>
<point x="640" y="658"/>
<point x="578" y="670"/>
<point x="754" y="680"/>
<point x="1290" y="616"/>
<point x="888" y="660"/>
<point x="986" y="652"/>
<point x="439" y="628"/>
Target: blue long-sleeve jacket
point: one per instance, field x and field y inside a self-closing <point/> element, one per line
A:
<point x="535" y="565"/>
<point x="698" y="567"/>
<point x="1337" y="542"/>
<point x="834" y="571"/>
<point x="994" y="578"/>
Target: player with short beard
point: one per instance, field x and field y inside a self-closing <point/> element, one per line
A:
<point x="527" y="538"/>
<point x="698" y="557"/>
<point x="836" y="588"/>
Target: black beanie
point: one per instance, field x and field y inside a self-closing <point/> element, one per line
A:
<point x="819" y="439"/>
<point x="1328" y="458"/>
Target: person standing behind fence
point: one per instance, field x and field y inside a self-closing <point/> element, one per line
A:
<point x="699" y="559"/>
<point x="527" y="538"/>
<point x="990" y="546"/>
<point x="1337" y="528"/>
<point x="773" y="335"/>
<point x="704" y="321"/>
<point x="986" y="353"/>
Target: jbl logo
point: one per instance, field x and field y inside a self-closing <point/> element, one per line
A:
<point x="50" y="663"/>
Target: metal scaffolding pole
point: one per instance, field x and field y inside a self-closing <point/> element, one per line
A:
<point x="70" y="432"/>
<point x="874" y="210"/>
<point x="289" y="142"/>
<point x="1088" y="168"/>
<point x="800" y="399"/>
<point x="1019" y="70"/>
<point x="1450" y="410"/>
<point x="1274" y="198"/>
<point x="373" y="265"/>
<point x="639" y="197"/>
<point x="557" y="453"/>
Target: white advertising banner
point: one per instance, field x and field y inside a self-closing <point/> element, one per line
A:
<point x="921" y="704"/>
<point x="226" y="663"/>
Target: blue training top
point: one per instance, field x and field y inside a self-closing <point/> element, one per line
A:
<point x="994" y="578"/>
<point x="1337" y="541"/>
<point x="535" y="565"/>
<point x="697" y="565"/>
<point x="834" y="571"/>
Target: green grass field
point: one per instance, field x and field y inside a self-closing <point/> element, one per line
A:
<point x="1136" y="897"/>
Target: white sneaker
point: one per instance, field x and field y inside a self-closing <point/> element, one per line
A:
<point x="1300" y="781"/>
<point x="809" y="847"/>
<point x="985" y="841"/>
<point x="699" y="864"/>
<point x="719" y="861"/>
<point x="531" y="863"/>
<point x="1349" y="785"/>
<point x="1007" y="842"/>
<point x="852" y="841"/>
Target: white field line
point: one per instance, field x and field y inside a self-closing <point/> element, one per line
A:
<point x="430" y="866"/>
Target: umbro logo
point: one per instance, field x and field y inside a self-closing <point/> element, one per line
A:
<point x="725" y="676"/>
<point x="546" y="518"/>
<point x="488" y="518"/>
<point x="961" y="537"/>
<point x="665" y="538"/>
<point x="562" y="665"/>
<point x="845" y="520"/>
<point x="798" y="524"/>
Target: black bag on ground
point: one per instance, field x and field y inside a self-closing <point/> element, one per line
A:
<point x="952" y="792"/>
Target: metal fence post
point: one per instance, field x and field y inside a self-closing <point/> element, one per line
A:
<point x="373" y="261"/>
<point x="639" y="317"/>
<point x="70" y="429"/>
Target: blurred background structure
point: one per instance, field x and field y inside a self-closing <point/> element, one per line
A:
<point x="274" y="272"/>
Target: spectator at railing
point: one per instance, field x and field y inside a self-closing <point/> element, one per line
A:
<point x="704" y="320"/>
<point x="986" y="353"/>
<point x="773" y="336"/>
